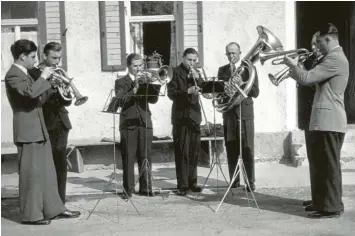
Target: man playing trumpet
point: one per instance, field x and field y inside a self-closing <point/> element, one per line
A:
<point x="136" y="128"/>
<point x="55" y="116"/>
<point x="186" y="119"/>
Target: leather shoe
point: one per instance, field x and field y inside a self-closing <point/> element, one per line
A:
<point x="310" y="208"/>
<point x="307" y="202"/>
<point x="147" y="194"/>
<point x="38" y="222"/>
<point x="67" y="215"/>
<point x="196" y="189"/>
<point x="324" y="215"/>
<point x="252" y="187"/>
<point x="236" y="185"/>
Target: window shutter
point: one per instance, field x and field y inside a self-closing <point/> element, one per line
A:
<point x="190" y="27"/>
<point x="112" y="36"/>
<point x="51" y="27"/>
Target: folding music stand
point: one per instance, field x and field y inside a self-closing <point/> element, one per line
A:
<point x="148" y="90"/>
<point x="240" y="168"/>
<point x="112" y="106"/>
<point x="213" y="86"/>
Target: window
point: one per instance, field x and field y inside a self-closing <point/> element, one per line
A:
<point x="40" y="22"/>
<point x="147" y="27"/>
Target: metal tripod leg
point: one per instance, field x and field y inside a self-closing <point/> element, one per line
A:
<point x="110" y="182"/>
<point x="217" y="162"/>
<point x="241" y="170"/>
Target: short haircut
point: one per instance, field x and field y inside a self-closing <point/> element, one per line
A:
<point x="233" y="43"/>
<point x="52" y="46"/>
<point x="132" y="57"/>
<point x="24" y="46"/>
<point x="189" y="51"/>
<point x="328" y="29"/>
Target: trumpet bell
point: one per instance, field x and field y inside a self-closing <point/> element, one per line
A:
<point x="165" y="74"/>
<point x="302" y="52"/>
<point x="80" y="101"/>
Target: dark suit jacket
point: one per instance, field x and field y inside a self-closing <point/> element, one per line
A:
<point x="54" y="110"/>
<point x="186" y="107"/>
<point x="135" y="109"/>
<point x="330" y="77"/>
<point x="247" y="107"/>
<point x="24" y="97"/>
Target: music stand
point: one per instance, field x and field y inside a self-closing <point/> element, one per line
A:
<point x="112" y="106"/>
<point x="148" y="90"/>
<point x="240" y="168"/>
<point x="214" y="87"/>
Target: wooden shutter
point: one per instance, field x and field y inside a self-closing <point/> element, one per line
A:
<point x="51" y="27"/>
<point x="189" y="28"/>
<point x="112" y="36"/>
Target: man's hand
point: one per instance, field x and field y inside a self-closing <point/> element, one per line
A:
<point x="55" y="83"/>
<point x="193" y="90"/>
<point x="291" y="62"/>
<point x="237" y="79"/>
<point x="47" y="72"/>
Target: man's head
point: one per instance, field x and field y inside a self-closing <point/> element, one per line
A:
<point x="189" y="57"/>
<point x="233" y="52"/>
<point x="24" y="53"/>
<point x="327" y="38"/>
<point x="314" y="45"/>
<point x="134" y="63"/>
<point x="52" y="54"/>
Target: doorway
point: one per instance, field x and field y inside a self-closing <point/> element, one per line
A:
<point x="310" y="15"/>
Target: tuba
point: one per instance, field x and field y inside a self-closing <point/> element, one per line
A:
<point x="236" y="92"/>
<point x="278" y="59"/>
<point x="66" y="88"/>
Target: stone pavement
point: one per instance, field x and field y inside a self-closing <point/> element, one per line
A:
<point x="280" y="192"/>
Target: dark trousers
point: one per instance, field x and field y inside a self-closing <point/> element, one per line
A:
<point x="187" y="146"/>
<point x="59" y="140"/>
<point x="38" y="191"/>
<point x="327" y="171"/>
<point x="136" y="142"/>
<point x="233" y="151"/>
<point x="309" y="144"/>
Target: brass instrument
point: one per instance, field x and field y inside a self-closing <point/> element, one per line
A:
<point x="66" y="88"/>
<point x="276" y="79"/>
<point x="236" y="90"/>
<point x="194" y="68"/>
<point x="163" y="75"/>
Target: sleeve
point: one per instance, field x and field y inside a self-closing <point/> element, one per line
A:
<point x="174" y="92"/>
<point x="123" y="93"/>
<point x="323" y="71"/>
<point x="26" y="88"/>
<point x="254" y="92"/>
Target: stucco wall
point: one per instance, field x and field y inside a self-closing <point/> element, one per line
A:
<point x="222" y="23"/>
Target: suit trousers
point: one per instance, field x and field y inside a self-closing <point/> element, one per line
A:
<point x="39" y="198"/>
<point x="187" y="144"/>
<point x="247" y="148"/>
<point x="59" y="140"/>
<point x="136" y="143"/>
<point x="327" y="170"/>
<point x="309" y="144"/>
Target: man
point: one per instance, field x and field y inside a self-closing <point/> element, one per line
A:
<point x="39" y="198"/>
<point x="55" y="116"/>
<point x="305" y="99"/>
<point x="231" y="121"/>
<point x="328" y="120"/>
<point x="136" y="128"/>
<point x="186" y="120"/>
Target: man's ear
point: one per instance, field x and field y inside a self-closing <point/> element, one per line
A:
<point x="22" y="57"/>
<point x="327" y="39"/>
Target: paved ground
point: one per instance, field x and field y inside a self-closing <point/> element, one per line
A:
<point x="280" y="192"/>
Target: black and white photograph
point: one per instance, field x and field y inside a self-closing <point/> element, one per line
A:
<point x="178" y="118"/>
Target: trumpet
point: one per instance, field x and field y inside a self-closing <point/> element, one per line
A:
<point x="285" y="73"/>
<point x="302" y="53"/>
<point x="66" y="88"/>
<point x="163" y="75"/>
